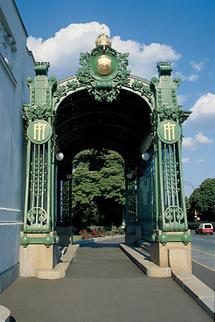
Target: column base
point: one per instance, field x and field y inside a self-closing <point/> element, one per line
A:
<point x="176" y="255"/>
<point x="35" y="257"/>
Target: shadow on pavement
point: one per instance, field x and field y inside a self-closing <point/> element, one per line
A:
<point x="140" y="251"/>
<point x="100" y="245"/>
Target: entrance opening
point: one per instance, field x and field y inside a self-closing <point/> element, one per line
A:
<point x="97" y="186"/>
<point x="102" y="145"/>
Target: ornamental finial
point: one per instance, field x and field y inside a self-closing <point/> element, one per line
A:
<point x="103" y="39"/>
<point x="41" y="68"/>
<point x="164" y="68"/>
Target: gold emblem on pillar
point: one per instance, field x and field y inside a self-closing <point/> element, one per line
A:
<point x="39" y="131"/>
<point x="104" y="65"/>
<point x="169" y="131"/>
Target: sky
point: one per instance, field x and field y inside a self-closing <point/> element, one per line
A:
<point x="151" y="31"/>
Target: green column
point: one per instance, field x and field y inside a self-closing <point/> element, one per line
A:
<point x="65" y="202"/>
<point x="130" y="206"/>
<point x="168" y="117"/>
<point x="39" y="216"/>
<point x="147" y="193"/>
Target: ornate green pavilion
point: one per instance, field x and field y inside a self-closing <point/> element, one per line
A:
<point x="105" y="106"/>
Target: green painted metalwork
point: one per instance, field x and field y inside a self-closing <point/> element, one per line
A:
<point x="154" y="193"/>
<point x="167" y="122"/>
<point x="72" y="85"/>
<point x="65" y="202"/>
<point x="48" y="240"/>
<point x="146" y="196"/>
<point x="130" y="200"/>
<point x="169" y="131"/>
<point x="103" y="72"/>
<point x="164" y="237"/>
<point x="38" y="117"/>
<point x="39" y="131"/>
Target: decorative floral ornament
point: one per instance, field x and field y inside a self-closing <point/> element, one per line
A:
<point x="103" y="71"/>
<point x="31" y="113"/>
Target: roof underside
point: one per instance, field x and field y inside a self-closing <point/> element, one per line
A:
<point x="83" y="123"/>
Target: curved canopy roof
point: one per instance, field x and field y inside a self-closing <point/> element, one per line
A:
<point x="122" y="125"/>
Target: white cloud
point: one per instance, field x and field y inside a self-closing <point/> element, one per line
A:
<point x="186" y="160"/>
<point x="188" y="143"/>
<point x="205" y="106"/>
<point x="190" y="78"/>
<point x="143" y="58"/>
<point x="201" y="138"/>
<point x="197" y="66"/>
<point x="203" y="112"/>
<point x="63" y="50"/>
<point x="191" y="142"/>
<point x="199" y="161"/>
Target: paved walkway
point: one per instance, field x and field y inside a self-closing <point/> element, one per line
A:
<point x="102" y="285"/>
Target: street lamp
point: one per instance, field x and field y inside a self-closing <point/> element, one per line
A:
<point x="145" y="156"/>
<point x="59" y="156"/>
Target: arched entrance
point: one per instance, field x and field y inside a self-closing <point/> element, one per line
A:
<point x="123" y="125"/>
<point x="103" y="106"/>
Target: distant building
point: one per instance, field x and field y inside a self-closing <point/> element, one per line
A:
<point x="16" y="64"/>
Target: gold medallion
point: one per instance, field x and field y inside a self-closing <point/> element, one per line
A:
<point x="104" y="65"/>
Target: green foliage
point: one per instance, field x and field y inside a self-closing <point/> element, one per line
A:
<point x="98" y="188"/>
<point x="202" y="200"/>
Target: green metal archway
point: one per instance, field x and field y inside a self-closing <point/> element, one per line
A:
<point x="104" y="106"/>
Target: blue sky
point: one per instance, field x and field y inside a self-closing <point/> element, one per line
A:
<point x="179" y="31"/>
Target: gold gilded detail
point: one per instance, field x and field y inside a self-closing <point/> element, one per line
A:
<point x="169" y="131"/>
<point x="103" y="40"/>
<point x="104" y="65"/>
<point x="39" y="131"/>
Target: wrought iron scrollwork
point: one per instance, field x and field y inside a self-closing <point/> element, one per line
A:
<point x="37" y="217"/>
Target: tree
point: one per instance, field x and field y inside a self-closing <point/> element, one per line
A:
<point x="98" y="188"/>
<point x="202" y="200"/>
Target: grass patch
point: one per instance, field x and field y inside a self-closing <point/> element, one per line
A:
<point x="76" y="237"/>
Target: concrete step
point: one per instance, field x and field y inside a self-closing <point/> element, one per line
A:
<point x="149" y="268"/>
<point x="146" y="247"/>
<point x="199" y="291"/>
<point x="50" y="274"/>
